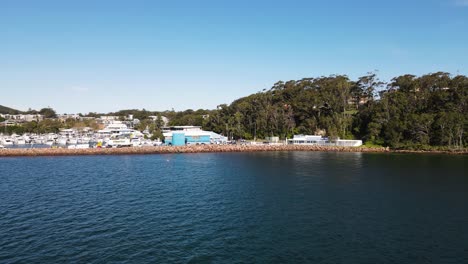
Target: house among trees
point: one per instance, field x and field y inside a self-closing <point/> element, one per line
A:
<point x="23" y="117"/>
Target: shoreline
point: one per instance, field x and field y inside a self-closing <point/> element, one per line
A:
<point x="201" y="149"/>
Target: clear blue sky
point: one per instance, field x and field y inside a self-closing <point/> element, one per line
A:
<point x="101" y="56"/>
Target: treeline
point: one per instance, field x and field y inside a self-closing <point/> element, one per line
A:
<point x="47" y="112"/>
<point x="8" y="110"/>
<point x="409" y="112"/>
<point x="47" y="126"/>
<point x="416" y="112"/>
<point x="155" y="125"/>
<point x="194" y="117"/>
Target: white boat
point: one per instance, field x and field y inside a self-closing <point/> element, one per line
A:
<point x="119" y="135"/>
<point x="49" y="142"/>
<point x="7" y="141"/>
<point x="62" y="141"/>
<point x="20" y="141"/>
<point x="27" y="139"/>
<point x="83" y="140"/>
<point x="118" y="141"/>
<point x="51" y="136"/>
<point x="136" y="142"/>
<point x="38" y="141"/>
<point x="79" y="146"/>
<point x="118" y="129"/>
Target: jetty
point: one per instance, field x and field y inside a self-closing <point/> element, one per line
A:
<point x="176" y="149"/>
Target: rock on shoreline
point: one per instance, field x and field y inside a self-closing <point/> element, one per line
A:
<point x="181" y="149"/>
<point x="190" y="149"/>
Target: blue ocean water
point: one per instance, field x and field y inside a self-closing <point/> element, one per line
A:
<point x="275" y="207"/>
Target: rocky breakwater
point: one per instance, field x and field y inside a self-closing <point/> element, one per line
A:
<point x="181" y="149"/>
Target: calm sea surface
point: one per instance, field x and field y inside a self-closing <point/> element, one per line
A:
<point x="276" y="207"/>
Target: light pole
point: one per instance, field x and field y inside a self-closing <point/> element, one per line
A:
<point x="227" y="131"/>
<point x="255" y="131"/>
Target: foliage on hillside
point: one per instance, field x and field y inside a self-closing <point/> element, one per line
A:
<point x="410" y="111"/>
<point x="8" y="110"/>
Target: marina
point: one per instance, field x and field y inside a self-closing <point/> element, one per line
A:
<point x="118" y="135"/>
<point x="118" y="139"/>
<point x="113" y="135"/>
<point x="234" y="132"/>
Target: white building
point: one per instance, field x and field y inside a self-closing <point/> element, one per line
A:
<point x="321" y="141"/>
<point x="194" y="134"/>
<point x="164" y="119"/>
<point x="24" y="118"/>
<point x="64" y="117"/>
<point x="108" y="119"/>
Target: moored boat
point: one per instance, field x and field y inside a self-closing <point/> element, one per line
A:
<point x="7" y="141"/>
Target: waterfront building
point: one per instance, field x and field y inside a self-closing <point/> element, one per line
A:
<point x="307" y="139"/>
<point x="186" y="135"/>
<point x="322" y="141"/>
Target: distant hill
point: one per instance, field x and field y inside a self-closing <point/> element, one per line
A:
<point x="7" y="110"/>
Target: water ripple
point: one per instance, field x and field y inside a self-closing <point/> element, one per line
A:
<point x="282" y="207"/>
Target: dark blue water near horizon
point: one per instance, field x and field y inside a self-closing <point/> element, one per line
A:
<point x="275" y="207"/>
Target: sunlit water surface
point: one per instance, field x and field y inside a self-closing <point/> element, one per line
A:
<point x="276" y="207"/>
